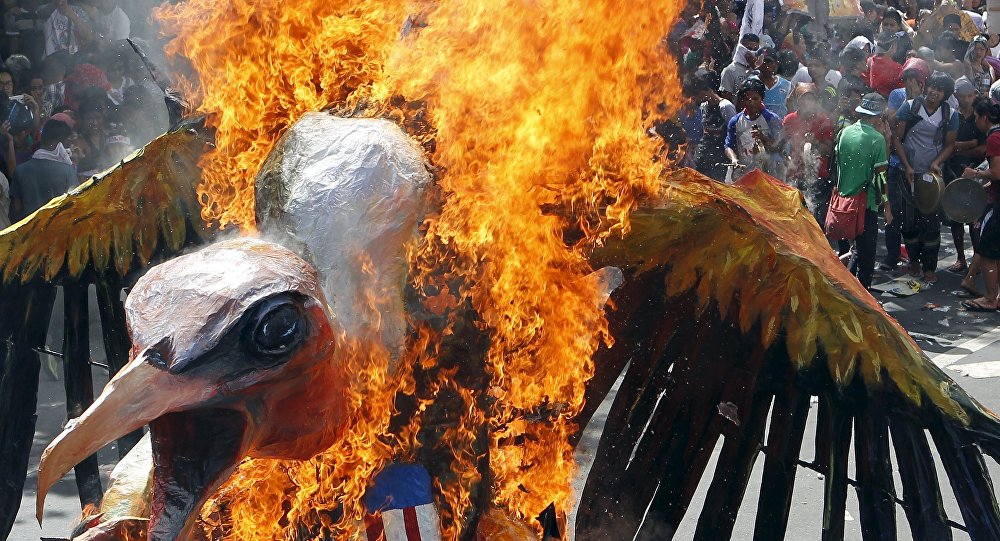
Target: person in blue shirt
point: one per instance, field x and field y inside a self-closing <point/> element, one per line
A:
<point x="776" y="87"/>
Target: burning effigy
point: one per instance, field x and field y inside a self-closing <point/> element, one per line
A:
<point x="451" y="240"/>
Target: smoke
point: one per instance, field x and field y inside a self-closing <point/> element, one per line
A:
<point x="808" y="184"/>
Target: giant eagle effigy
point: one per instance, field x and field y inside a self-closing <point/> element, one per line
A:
<point x="415" y="244"/>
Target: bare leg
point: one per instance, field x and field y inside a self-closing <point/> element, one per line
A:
<point x="958" y="235"/>
<point x="989" y="268"/>
<point x="969" y="282"/>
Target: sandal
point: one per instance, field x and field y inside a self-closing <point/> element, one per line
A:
<point x="958" y="267"/>
<point x="915" y="271"/>
<point x="930" y="278"/>
<point x="973" y="306"/>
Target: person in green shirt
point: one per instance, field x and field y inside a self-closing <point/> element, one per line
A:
<point x="862" y="161"/>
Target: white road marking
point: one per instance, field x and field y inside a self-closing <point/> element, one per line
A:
<point x="988" y="369"/>
<point x="960" y="350"/>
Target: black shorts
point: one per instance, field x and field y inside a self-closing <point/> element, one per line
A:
<point x="989" y="239"/>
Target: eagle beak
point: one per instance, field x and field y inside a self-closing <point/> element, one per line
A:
<point x="185" y="430"/>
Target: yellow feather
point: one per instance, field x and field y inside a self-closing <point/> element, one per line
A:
<point x="172" y="226"/>
<point x="100" y="244"/>
<point x="77" y="256"/>
<point x="29" y="266"/>
<point x="53" y="261"/>
<point x="122" y="241"/>
<point x="146" y="236"/>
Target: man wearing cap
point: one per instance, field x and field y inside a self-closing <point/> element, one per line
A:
<point x="861" y="166"/>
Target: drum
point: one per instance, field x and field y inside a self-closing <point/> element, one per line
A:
<point x="964" y="200"/>
<point x="927" y="190"/>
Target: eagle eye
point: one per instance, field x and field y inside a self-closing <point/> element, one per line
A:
<point x="276" y="328"/>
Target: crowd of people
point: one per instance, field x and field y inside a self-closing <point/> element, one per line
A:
<point x="855" y="114"/>
<point x="78" y="94"/>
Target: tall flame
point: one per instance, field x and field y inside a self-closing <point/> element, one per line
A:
<point x="540" y="111"/>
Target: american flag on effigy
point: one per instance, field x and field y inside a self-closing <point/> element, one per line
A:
<point x="401" y="507"/>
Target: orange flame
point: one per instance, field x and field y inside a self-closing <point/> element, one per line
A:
<point x="540" y="111"/>
<point x="261" y="65"/>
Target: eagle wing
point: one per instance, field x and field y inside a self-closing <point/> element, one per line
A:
<point x="734" y="311"/>
<point x="117" y="220"/>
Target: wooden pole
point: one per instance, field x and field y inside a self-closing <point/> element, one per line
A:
<point x="31" y="307"/>
<point x="79" y="381"/>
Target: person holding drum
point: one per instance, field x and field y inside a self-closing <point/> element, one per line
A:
<point x="970" y="149"/>
<point x="987" y="258"/>
<point x="924" y="139"/>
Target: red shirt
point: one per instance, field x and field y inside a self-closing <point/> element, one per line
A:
<point x="883" y="75"/>
<point x="795" y="130"/>
<point x="992" y="150"/>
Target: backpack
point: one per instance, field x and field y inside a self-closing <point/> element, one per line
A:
<point x="916" y="105"/>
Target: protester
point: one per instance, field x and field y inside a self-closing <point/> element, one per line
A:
<point x="809" y="132"/>
<point x="970" y="149"/>
<point x="754" y="134"/>
<point x="710" y="158"/>
<point x="47" y="174"/>
<point x="987" y="258"/>
<point x="110" y="21"/>
<point x="777" y="87"/>
<point x="849" y="93"/>
<point x="861" y="166"/>
<point x="115" y="69"/>
<point x="860" y="43"/>
<point x="853" y="62"/>
<point x="915" y="74"/>
<point x="976" y="68"/>
<point x="952" y="23"/>
<point x="817" y="70"/>
<point x="925" y="131"/>
<point x="884" y="73"/>
<point x="872" y="12"/>
<point x="744" y="61"/>
<point x="92" y="129"/>
<point x="892" y="22"/>
<point x="944" y="58"/>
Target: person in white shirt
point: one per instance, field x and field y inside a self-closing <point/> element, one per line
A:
<point x="111" y="21"/>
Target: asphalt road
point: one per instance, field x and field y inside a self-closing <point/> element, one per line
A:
<point x="966" y="344"/>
